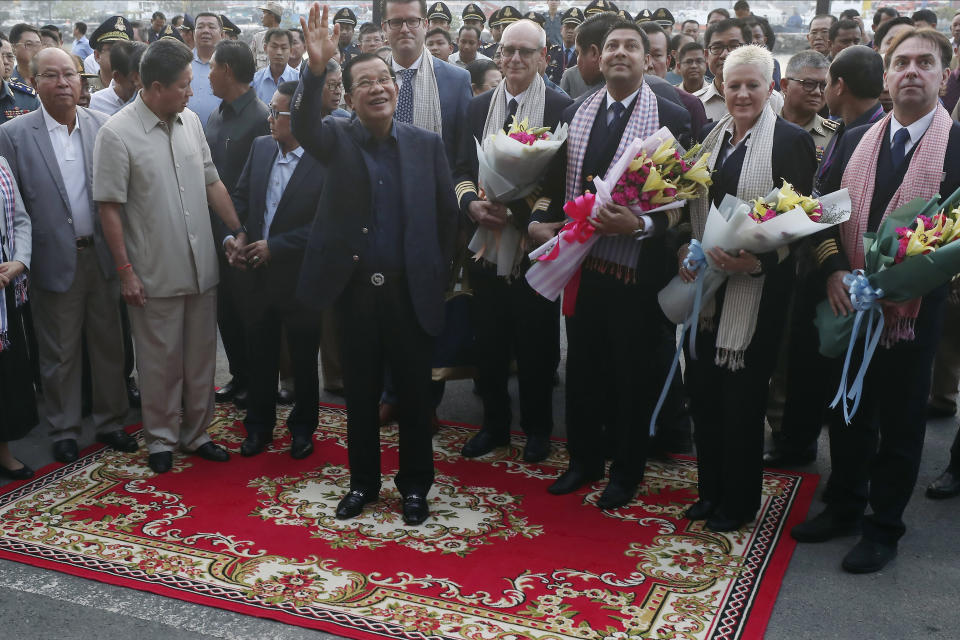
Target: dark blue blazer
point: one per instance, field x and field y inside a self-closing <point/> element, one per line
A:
<point x="290" y="226"/>
<point x="343" y="213"/>
<point x="453" y="85"/>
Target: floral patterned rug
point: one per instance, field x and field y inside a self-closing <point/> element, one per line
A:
<point x="500" y="558"/>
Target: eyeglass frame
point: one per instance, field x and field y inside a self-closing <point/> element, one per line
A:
<point x="366" y="84"/>
<point x="55" y="76"/>
<point x="804" y="83"/>
<point x="525" y="53"/>
<point x="276" y="114"/>
<point x="726" y="47"/>
<point x="403" y="21"/>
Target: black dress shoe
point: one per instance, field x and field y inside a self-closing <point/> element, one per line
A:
<point x="133" y="393"/>
<point x="701" y="510"/>
<point x="119" y="440"/>
<point x="253" y="444"/>
<point x="785" y="458"/>
<point x="825" y="526"/>
<point x="934" y="412"/>
<point x="483" y="443"/>
<point x="22" y="473"/>
<point x="301" y="446"/>
<point x="537" y="448"/>
<point x="946" y="486"/>
<point x="615" y="496"/>
<point x="210" y="451"/>
<point x="352" y="504"/>
<point x="227" y="391"/>
<point x="415" y="509"/>
<point x="160" y="462"/>
<point x="571" y="480"/>
<point x="65" y="450"/>
<point x="721" y="523"/>
<point x="869" y="556"/>
<point x="285" y="397"/>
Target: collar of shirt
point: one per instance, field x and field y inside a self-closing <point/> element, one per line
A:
<point x="509" y="96"/>
<point x="728" y="147"/>
<point x="367" y="139"/>
<point x="917" y="129"/>
<point x="148" y="119"/>
<point x="52" y="125"/>
<point x="398" y="67"/>
<point x="240" y="103"/>
<point x="707" y="92"/>
<point x="626" y="102"/>
<point x="814" y="125"/>
<point x="196" y="58"/>
<point x="291" y="156"/>
<point x="868" y="116"/>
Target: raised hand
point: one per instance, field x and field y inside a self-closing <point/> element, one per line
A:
<point x="321" y="43"/>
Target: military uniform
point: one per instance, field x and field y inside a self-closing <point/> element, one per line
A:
<point x="599" y="6"/>
<point x="230" y="30"/>
<point x="440" y="11"/>
<point x="16" y="99"/>
<point x="821" y="130"/>
<point x="664" y="18"/>
<point x="644" y="15"/>
<point x="113" y="29"/>
<point x="556" y="55"/>
<point x="170" y="32"/>
<point x="346" y="16"/>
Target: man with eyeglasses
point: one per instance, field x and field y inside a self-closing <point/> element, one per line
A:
<point x="26" y="43"/>
<point x="379" y="253"/>
<point x="804" y="95"/>
<point x="819" y="34"/>
<point x="720" y="39"/>
<point x="113" y="29"/>
<point x="16" y="98"/>
<point x="74" y="290"/>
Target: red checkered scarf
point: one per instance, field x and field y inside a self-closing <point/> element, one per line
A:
<point x="922" y="180"/>
<point x="9" y="195"/>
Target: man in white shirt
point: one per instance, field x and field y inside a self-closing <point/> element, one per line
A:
<point x="468" y="43"/>
<point x="125" y="63"/>
<point x="277" y="44"/>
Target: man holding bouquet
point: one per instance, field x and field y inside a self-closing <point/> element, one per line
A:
<point x="508" y="312"/>
<point x="612" y="380"/>
<point x="876" y="458"/>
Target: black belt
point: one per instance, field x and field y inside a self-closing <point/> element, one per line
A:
<point x="378" y="278"/>
<point x="84" y="241"/>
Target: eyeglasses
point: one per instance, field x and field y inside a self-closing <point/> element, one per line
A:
<point x="69" y="76"/>
<point x="367" y="84"/>
<point x="334" y="86"/>
<point x="717" y="49"/>
<point x="509" y="52"/>
<point x="396" y="23"/>
<point x="276" y="114"/>
<point x="29" y="45"/>
<point x="810" y="85"/>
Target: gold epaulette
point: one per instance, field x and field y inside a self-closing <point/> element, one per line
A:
<point x="830" y="125"/>
<point x="465" y="187"/>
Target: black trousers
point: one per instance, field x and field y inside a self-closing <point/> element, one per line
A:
<point x="510" y="317"/>
<point x="875" y="459"/>
<point x="265" y="318"/>
<point x="728" y="407"/>
<point x="379" y="327"/>
<point x="612" y="375"/>
<point x="230" y="319"/>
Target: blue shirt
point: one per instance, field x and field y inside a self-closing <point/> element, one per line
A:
<point x="202" y="102"/>
<point x="283" y="168"/>
<point x="382" y="158"/>
<point x="265" y="86"/>
<point x="81" y="47"/>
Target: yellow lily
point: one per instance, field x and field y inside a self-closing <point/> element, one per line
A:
<point x="638" y="162"/>
<point x="921" y="241"/>
<point x="661" y="198"/>
<point x="699" y="172"/>
<point x="688" y="191"/>
<point x="655" y="181"/>
<point x="951" y="229"/>
<point x="664" y="154"/>
<point x="788" y="199"/>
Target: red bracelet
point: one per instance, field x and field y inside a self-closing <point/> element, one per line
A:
<point x="126" y="266"/>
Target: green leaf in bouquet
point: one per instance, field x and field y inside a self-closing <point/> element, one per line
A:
<point x="918" y="275"/>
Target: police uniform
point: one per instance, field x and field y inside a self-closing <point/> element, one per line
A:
<point x="170" y="32"/>
<point x="16" y="99"/>
<point x="599" y="6"/>
<point x="645" y="15"/>
<point x="231" y="30"/>
<point x="664" y="18"/>
<point x="113" y="29"/>
<point x="821" y="130"/>
<point x="556" y="62"/>
<point x="473" y="12"/>
<point x="440" y="11"/>
<point x="623" y="14"/>
<point x="346" y="16"/>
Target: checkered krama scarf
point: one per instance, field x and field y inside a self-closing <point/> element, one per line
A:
<point x="10" y="196"/>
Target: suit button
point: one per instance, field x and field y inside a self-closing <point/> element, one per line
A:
<point x="69" y="220"/>
<point x="364" y="230"/>
<point x="356" y="258"/>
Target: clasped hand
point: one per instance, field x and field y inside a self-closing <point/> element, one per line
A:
<point x="9" y="272"/>
<point x="614" y="219"/>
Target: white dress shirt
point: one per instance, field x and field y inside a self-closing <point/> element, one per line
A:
<point x="397" y="68"/>
<point x="107" y="101"/>
<point x="68" y="149"/>
<point x="916" y="130"/>
<point x="283" y="167"/>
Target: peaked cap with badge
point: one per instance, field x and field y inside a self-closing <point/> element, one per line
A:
<point x="537" y="17"/>
<point x="599" y="6"/>
<point x="505" y="16"/>
<point x="473" y="12"/>
<point x="110" y="30"/>
<point x="345" y="16"/>
<point x="170" y="32"/>
<point x="644" y="15"/>
<point x="663" y="17"/>
<point x="439" y="11"/>
<point x="229" y="27"/>
<point x="573" y="15"/>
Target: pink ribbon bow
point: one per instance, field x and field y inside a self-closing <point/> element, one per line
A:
<point x="578" y="230"/>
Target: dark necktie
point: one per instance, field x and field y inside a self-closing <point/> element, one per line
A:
<point x="899" y="147"/>
<point x="405" y="99"/>
<point x="567" y="58"/>
<point x="513" y="111"/>
<point x="617" y="109"/>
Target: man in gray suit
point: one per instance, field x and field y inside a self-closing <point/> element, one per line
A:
<point x="73" y="284"/>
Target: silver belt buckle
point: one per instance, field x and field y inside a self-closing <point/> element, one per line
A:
<point x="377" y="279"/>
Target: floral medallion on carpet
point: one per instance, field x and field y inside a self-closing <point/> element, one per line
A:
<point x="499" y="558"/>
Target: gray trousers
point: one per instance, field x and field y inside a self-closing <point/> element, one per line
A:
<point x="176" y="343"/>
<point x="88" y="308"/>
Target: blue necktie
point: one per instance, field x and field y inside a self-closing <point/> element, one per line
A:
<point x="567" y="58"/>
<point x="405" y="99"/>
<point x="899" y="147"/>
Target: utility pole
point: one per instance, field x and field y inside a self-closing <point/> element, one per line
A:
<point x="823" y="7"/>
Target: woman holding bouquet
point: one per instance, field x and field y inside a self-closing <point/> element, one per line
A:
<point x="752" y="151"/>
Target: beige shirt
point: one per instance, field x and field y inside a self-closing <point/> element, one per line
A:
<point x="716" y="107"/>
<point x="821" y="131"/>
<point x="167" y="228"/>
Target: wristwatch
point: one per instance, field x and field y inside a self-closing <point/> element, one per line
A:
<point x="241" y="229"/>
<point x="641" y="230"/>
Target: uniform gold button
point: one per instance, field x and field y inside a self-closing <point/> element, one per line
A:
<point x="356" y="258"/>
<point x="364" y="230"/>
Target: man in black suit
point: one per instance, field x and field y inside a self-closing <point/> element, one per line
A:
<point x="277" y="194"/>
<point x="875" y="459"/>
<point x="611" y="378"/>
<point x="379" y="253"/>
<point x="507" y="311"/>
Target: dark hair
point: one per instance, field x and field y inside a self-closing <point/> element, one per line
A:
<point x="81" y="27"/>
<point x="650" y="27"/>
<point x="299" y="32"/>
<point x="620" y="23"/>
<point x="478" y="69"/>
<point x="469" y="28"/>
<point x="51" y="33"/>
<point x="164" y="61"/>
<point x="861" y="69"/>
<point x="177" y="20"/>
<point x="842" y="24"/>
<point x="768" y="34"/>
<point x="207" y="14"/>
<point x="684" y="23"/>
<point x="277" y="31"/>
<point x="741" y="4"/>
<point x="287" y="88"/>
<point x="721" y="11"/>
<point x="687" y="48"/>
<point x="237" y="56"/>
<point x="121" y="56"/>
<point x="726" y="25"/>
<point x="439" y="31"/>
<point x="383" y="12"/>
<point x="884" y="11"/>
<point x="675" y="41"/>
<point x="821" y="16"/>
<point x="849" y="14"/>
<point x="19" y="29"/>
<point x="158" y="14"/>
<point x="926" y="15"/>
<point x="881" y="32"/>
<point x="51" y="27"/>
<point x="933" y="36"/>
<point x="593" y="30"/>
<point x="355" y="60"/>
<point x="367" y="27"/>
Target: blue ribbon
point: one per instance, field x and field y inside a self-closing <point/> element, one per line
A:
<point x="866" y="302"/>
<point x="694" y="262"/>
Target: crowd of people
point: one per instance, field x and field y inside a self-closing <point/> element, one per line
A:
<point x="312" y="195"/>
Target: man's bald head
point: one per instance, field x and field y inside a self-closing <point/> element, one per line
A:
<point x="528" y="29"/>
<point x="50" y="54"/>
<point x="57" y="81"/>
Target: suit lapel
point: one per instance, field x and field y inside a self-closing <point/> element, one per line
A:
<point x="42" y="139"/>
<point x="304" y="166"/>
<point x="262" y="185"/>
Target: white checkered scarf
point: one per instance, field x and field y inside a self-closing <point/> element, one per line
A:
<point x="9" y="193"/>
<point x="426" y="96"/>
<point x="530" y="108"/>
<point x="741" y="302"/>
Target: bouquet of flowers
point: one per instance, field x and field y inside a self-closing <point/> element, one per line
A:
<point x="511" y="167"/>
<point x="654" y="174"/>
<point x="913" y="252"/>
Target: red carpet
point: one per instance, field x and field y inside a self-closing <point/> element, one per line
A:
<point x="499" y="557"/>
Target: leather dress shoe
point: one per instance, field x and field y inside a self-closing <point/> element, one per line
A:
<point x="415" y="509"/>
<point x="387" y="413"/>
<point x="285" y="397"/>
<point x="227" y="391"/>
<point x="119" y="440"/>
<point x="786" y="458"/>
<point x="352" y="504"/>
<point x="615" y="496"/>
<point x="825" y="526"/>
<point x="210" y="451"/>
<point x="301" y="446"/>
<point x="934" y="411"/>
<point x="133" y="393"/>
<point x="483" y="443"/>
<point x="721" y="523"/>
<point x="160" y="462"/>
<point x="701" y="510"/>
<point x="869" y="556"/>
<point x="571" y="480"/>
<point x="537" y="448"/>
<point x="946" y="486"/>
<point x="22" y="473"/>
<point x="253" y="444"/>
<point x="65" y="450"/>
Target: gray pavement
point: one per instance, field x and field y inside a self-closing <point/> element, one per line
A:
<point x="915" y="597"/>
